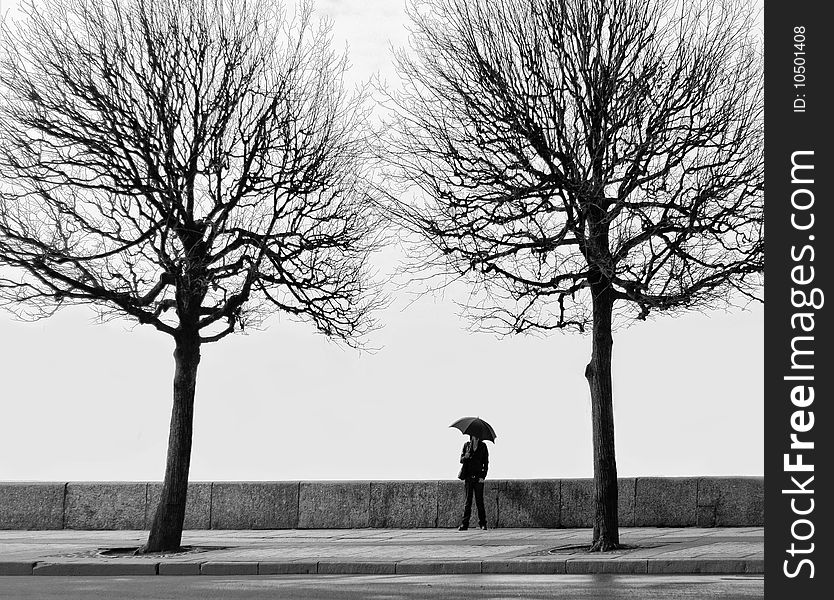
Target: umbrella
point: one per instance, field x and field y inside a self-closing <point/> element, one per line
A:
<point x="475" y="426"/>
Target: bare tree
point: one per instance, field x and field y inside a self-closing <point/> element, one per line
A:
<point x="193" y="165"/>
<point x="583" y="164"/>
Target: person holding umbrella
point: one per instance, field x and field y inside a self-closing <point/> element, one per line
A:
<point x="474" y="460"/>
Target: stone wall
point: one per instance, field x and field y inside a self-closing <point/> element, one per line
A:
<point x="553" y="503"/>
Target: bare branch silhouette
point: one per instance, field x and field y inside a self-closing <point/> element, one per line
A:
<point x="194" y="165"/>
<point x="583" y="164"/>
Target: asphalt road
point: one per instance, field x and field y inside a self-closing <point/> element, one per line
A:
<point x="386" y="587"/>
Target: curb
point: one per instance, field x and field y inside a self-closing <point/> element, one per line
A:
<point x="585" y="566"/>
<point x="82" y="569"/>
<point x="16" y="568"/>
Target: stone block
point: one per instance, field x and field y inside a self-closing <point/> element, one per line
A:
<point x="626" y="487"/>
<point x="450" y="501"/>
<point x="577" y="501"/>
<point x="32" y="505"/>
<point x="403" y="504"/>
<point x="356" y="567"/>
<point x="730" y="502"/>
<point x="179" y="568"/>
<point x="334" y="504"/>
<point x="710" y="566"/>
<point x="16" y="567"/>
<point x="229" y="568"/>
<point x="96" y="569"/>
<point x="197" y="505"/>
<point x="665" y="502"/>
<point x="287" y="567"/>
<point x="593" y="566"/>
<point x="254" y="505"/>
<point x="105" y="506"/>
<point x="529" y="503"/>
<point x="446" y="567"/>
<point x="523" y="567"/>
<point x="658" y="502"/>
<point x="754" y="566"/>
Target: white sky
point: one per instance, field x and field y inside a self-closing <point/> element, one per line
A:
<point x="85" y="401"/>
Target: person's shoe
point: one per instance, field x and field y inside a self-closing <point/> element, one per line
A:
<point x="482" y="527"/>
<point x="463" y="527"/>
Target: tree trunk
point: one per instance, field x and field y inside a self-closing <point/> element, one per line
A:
<point x="166" y="529"/>
<point x="598" y="373"/>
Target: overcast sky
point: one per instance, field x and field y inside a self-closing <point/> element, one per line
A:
<point x="86" y="401"/>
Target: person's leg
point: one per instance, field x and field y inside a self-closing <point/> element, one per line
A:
<point x="467" y="506"/>
<point x="479" y="502"/>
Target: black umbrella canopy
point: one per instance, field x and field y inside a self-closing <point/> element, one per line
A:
<point x="475" y="426"/>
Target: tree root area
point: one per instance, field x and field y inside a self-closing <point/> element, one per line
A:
<point x="607" y="546"/>
<point x="142" y="551"/>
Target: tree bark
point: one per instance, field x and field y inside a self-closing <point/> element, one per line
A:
<point x="598" y="373"/>
<point x="166" y="529"/>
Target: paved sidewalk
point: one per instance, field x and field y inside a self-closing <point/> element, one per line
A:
<point x="387" y="551"/>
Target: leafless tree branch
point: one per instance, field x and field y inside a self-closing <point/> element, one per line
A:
<point x="196" y="155"/>
<point x="556" y="141"/>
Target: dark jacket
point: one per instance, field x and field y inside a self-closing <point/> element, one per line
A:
<point x="475" y="464"/>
